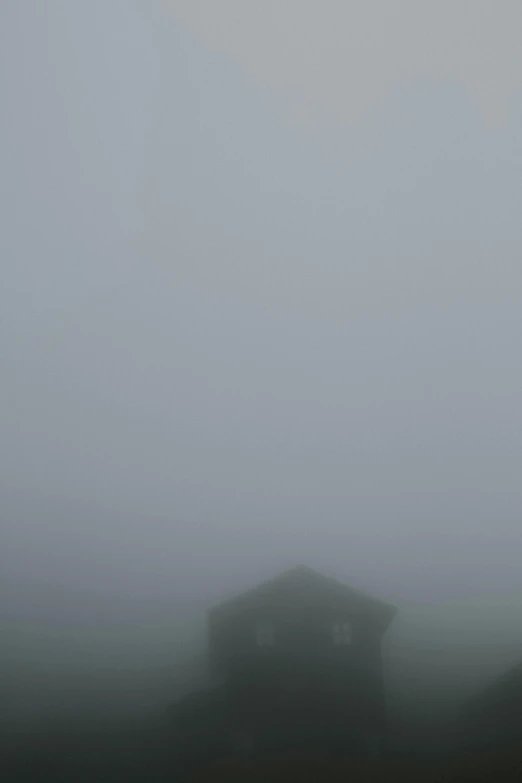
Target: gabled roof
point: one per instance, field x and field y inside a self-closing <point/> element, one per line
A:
<point x="300" y="585"/>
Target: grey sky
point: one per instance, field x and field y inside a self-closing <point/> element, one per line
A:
<point x="232" y="340"/>
<point x="343" y="58"/>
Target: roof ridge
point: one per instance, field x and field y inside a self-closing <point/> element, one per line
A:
<point x="301" y="568"/>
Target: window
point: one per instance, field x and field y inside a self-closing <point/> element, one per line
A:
<point x="265" y="635"/>
<point x="342" y="633"/>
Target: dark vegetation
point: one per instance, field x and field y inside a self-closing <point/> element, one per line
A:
<point x="145" y="751"/>
<point x="426" y="747"/>
<point x="501" y="765"/>
<point x="84" y="750"/>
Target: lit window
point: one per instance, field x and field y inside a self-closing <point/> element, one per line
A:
<point x="342" y="633"/>
<point x="265" y="635"/>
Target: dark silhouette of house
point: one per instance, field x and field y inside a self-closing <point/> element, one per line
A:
<point x="297" y="659"/>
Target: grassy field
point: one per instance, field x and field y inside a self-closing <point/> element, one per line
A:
<point x="140" y="751"/>
<point x="500" y="765"/>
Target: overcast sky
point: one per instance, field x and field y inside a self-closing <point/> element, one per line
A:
<point x="260" y="296"/>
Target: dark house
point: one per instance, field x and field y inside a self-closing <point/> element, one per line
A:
<point x="298" y="659"/>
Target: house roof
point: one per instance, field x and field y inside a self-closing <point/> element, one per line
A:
<point x="299" y="586"/>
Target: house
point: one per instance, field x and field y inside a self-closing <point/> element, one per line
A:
<point x="298" y="659"/>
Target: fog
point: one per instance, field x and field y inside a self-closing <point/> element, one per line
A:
<point x="259" y="306"/>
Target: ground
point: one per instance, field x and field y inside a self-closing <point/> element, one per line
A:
<point x="138" y="752"/>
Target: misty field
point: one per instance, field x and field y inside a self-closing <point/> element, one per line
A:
<point x="503" y="765"/>
<point x="144" y="753"/>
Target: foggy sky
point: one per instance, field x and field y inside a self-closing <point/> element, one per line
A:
<point x="233" y="341"/>
<point x="343" y="58"/>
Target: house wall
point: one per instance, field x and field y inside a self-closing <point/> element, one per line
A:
<point x="306" y="632"/>
<point x="304" y="681"/>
